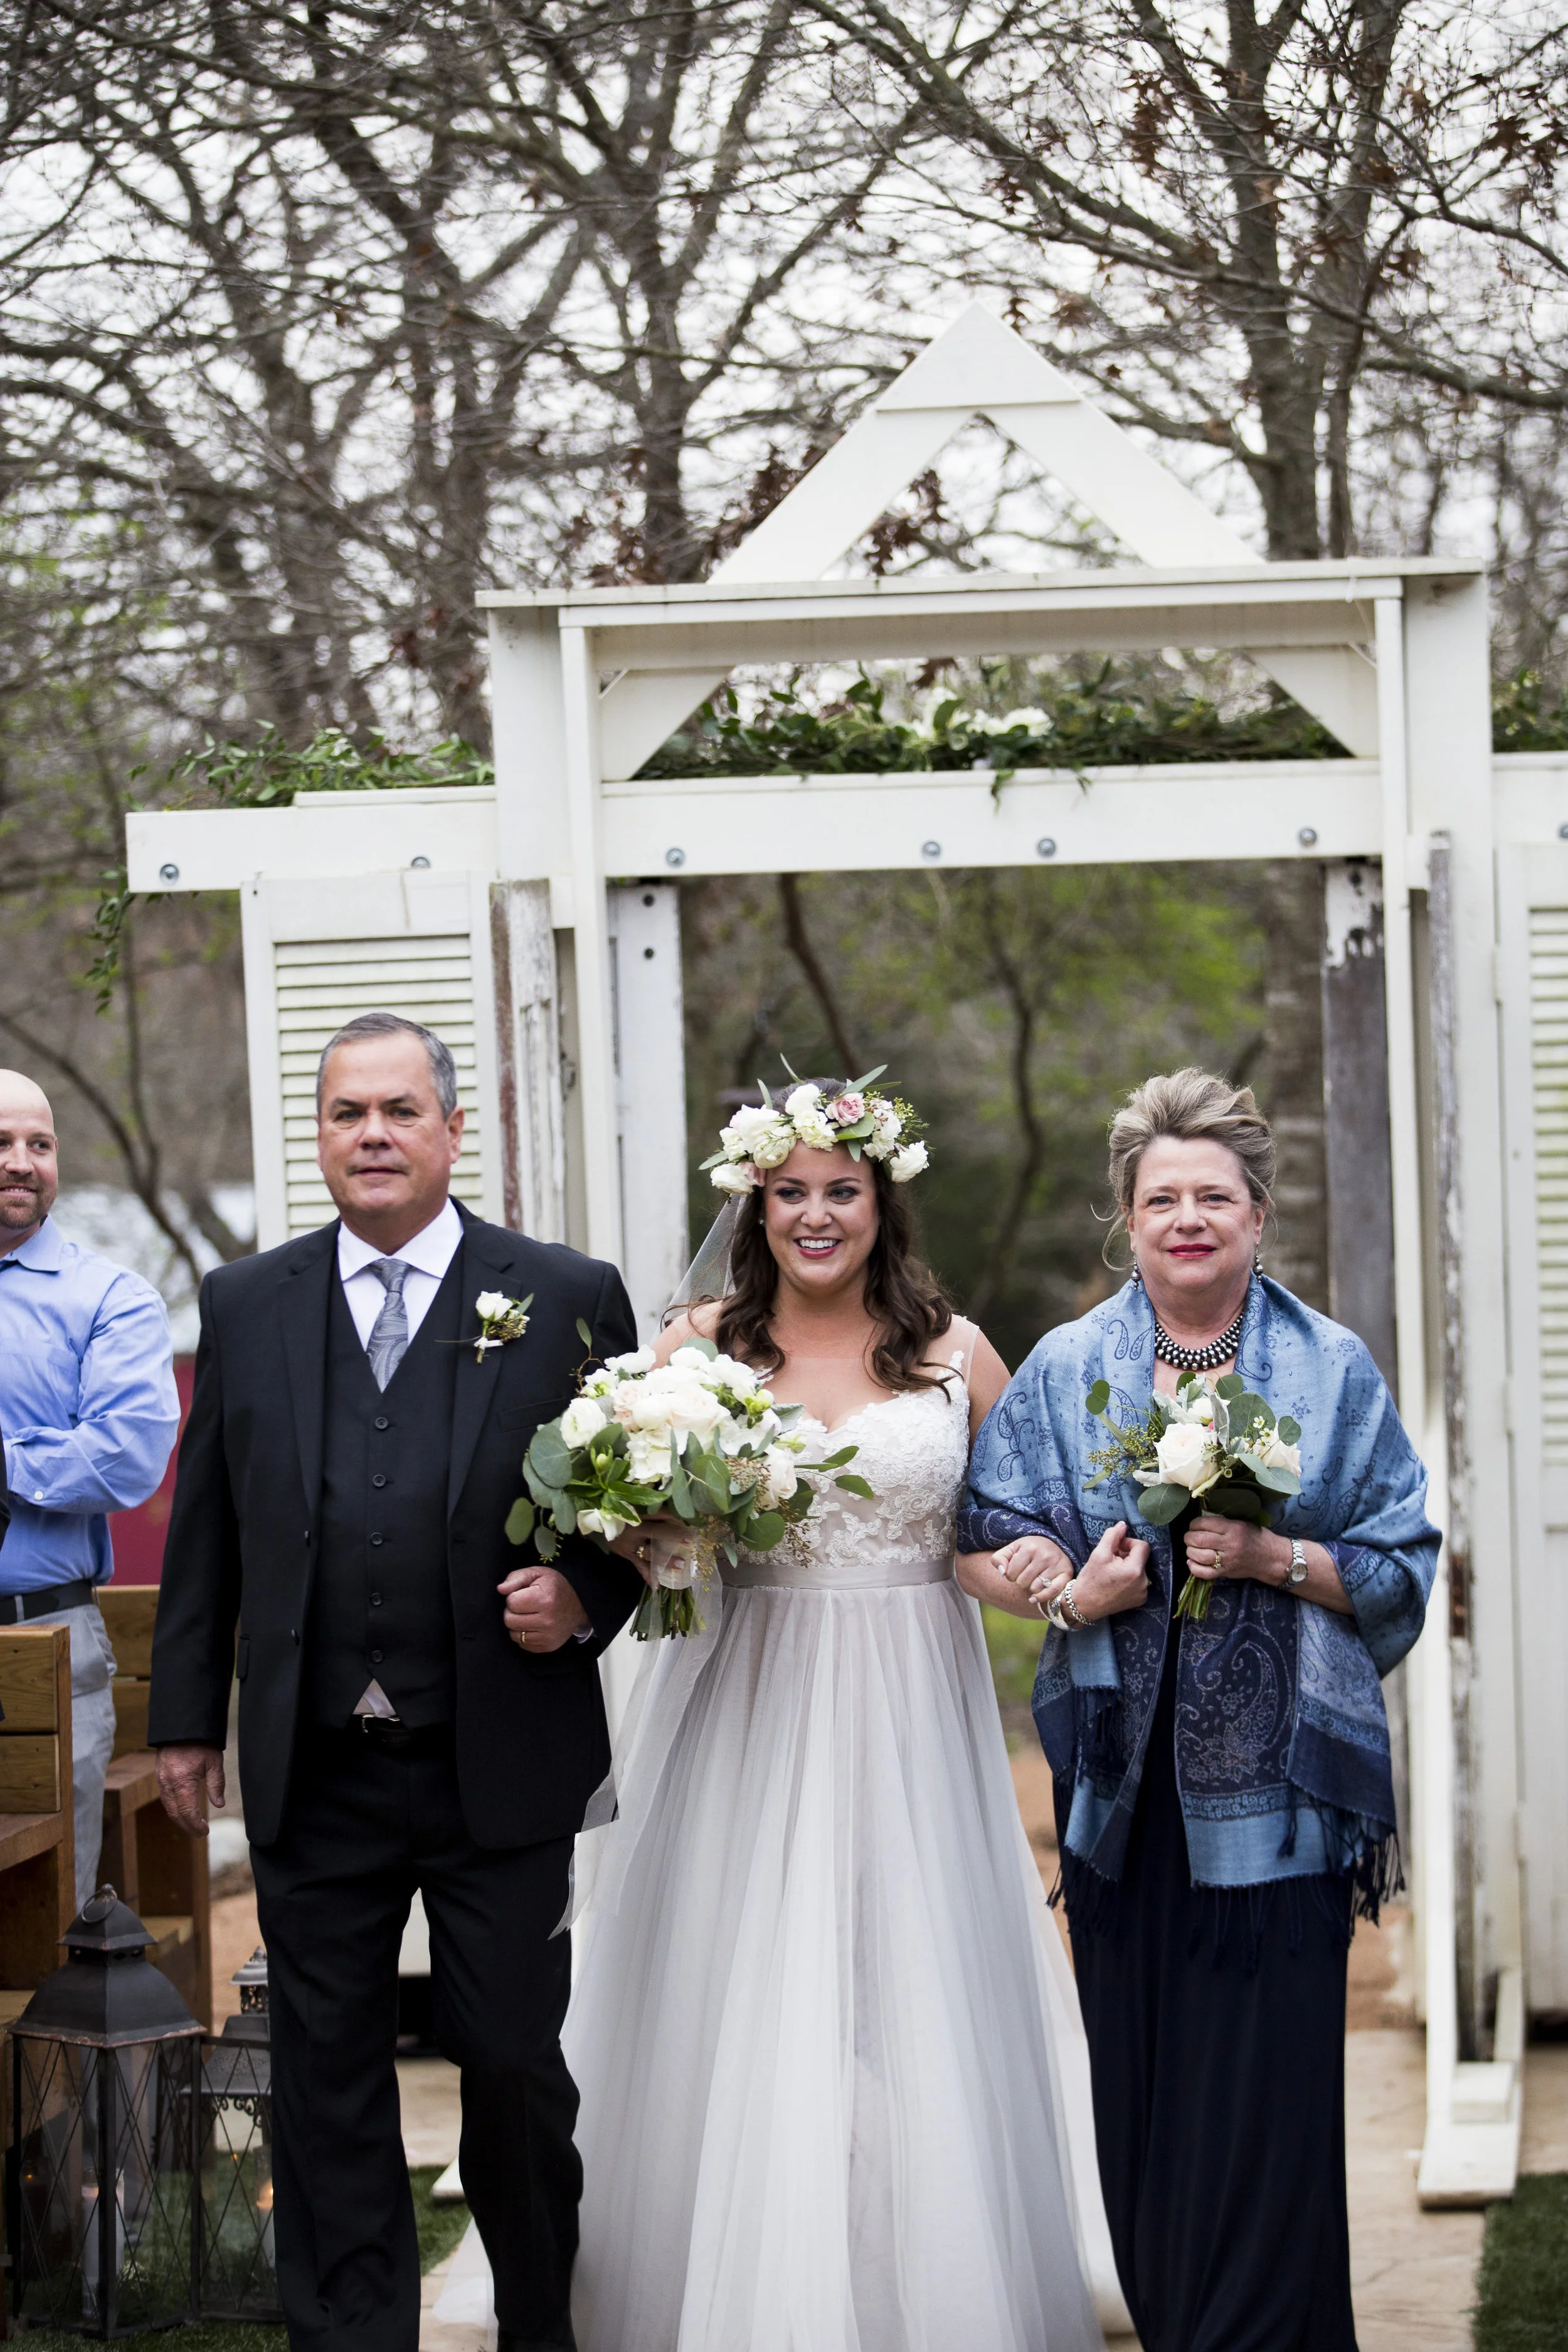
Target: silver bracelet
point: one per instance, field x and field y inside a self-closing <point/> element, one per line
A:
<point x="1064" y="1613"/>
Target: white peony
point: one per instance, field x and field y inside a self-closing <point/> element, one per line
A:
<point x="775" y="1147"/>
<point x="1183" y="1455"/>
<point x="735" y="1176"/>
<point x="626" y="1367"/>
<point x="910" y="1161"/>
<point x="805" y="1102"/>
<point x="750" y="1124"/>
<point x="648" y="1456"/>
<point x="489" y="1304"/>
<point x="1039" y="722"/>
<point x="1277" y="1456"/>
<point x="725" y="1372"/>
<point x="581" y="1420"/>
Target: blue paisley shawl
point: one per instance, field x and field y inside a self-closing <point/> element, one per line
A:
<point x="1282" y="1755"/>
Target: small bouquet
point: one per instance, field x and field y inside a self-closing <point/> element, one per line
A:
<point x="1215" y="1440"/>
<point x="699" y="1437"/>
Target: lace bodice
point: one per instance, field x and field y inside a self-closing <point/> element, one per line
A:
<point x="912" y="1450"/>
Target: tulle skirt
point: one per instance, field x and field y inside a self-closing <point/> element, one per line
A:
<point x="821" y="2018"/>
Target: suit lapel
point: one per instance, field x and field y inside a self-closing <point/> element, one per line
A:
<point x="484" y="1266"/>
<point x="304" y="1296"/>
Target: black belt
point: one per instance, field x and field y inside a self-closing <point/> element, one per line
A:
<point x="17" y="1608"/>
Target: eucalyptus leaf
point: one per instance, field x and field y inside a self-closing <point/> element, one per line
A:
<point x="679" y="1488"/>
<point x="854" y="1484"/>
<point x="584" y="1333"/>
<point x="1160" y="1504"/>
<point x="1232" y="1385"/>
<point x="1230" y="1501"/>
<point x="764" y="1529"/>
<point x="550" y="1456"/>
<point x="1289" y="1430"/>
<point x="704" y="1347"/>
<point x="1099" y="1397"/>
<point x="548" y="1543"/>
<point x="837" y="1460"/>
<point x="1276" y="1477"/>
<point x="520" y="1521"/>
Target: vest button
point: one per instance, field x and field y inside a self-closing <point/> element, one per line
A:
<point x="375" y="1539"/>
<point x="382" y="1422"/>
<point x="375" y="1600"/>
<point x="378" y="1479"/>
<point x="375" y="1657"/>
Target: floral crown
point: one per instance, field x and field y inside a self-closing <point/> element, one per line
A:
<point x="763" y="1135"/>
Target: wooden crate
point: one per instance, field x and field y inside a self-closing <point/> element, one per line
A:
<point x="154" y="1865"/>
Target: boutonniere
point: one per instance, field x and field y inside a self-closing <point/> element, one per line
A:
<point x="500" y="1319"/>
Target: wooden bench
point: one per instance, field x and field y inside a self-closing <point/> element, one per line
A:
<point x="37" y="1840"/>
<point x="154" y="1865"/>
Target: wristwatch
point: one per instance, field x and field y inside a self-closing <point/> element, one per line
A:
<point x="1296" y="1574"/>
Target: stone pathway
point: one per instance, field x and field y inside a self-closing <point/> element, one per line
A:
<point x="1413" y="2273"/>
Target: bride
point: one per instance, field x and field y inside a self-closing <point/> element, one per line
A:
<point x="813" y="2029"/>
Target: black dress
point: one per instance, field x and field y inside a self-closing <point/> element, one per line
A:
<point x="1216" y="2024"/>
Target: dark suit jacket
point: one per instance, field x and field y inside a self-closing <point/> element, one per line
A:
<point x="531" y="1732"/>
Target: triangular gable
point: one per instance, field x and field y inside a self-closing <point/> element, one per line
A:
<point x="979" y="367"/>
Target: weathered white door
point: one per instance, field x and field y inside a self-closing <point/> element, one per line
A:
<point x="317" y="952"/>
<point x="1533" y="928"/>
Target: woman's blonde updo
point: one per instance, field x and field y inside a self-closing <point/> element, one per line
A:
<point x="1190" y="1105"/>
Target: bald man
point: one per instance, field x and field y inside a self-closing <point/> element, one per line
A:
<point x="90" y="1414"/>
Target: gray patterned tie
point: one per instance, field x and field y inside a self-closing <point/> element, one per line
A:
<point x="388" y="1341"/>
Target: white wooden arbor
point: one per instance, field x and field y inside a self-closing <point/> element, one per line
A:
<point x="537" y="926"/>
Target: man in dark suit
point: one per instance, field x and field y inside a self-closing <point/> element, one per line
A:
<point x="414" y="1710"/>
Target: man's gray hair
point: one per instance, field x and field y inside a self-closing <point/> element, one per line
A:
<point x="443" y="1069"/>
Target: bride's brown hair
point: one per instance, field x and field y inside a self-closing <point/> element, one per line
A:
<point x="902" y="1296"/>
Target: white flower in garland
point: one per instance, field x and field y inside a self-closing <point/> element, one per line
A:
<point x="762" y="1135"/>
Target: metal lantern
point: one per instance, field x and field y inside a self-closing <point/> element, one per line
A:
<point x="239" y="2268"/>
<point x="99" y="2190"/>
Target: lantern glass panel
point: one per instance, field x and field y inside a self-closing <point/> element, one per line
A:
<point x="101" y="2192"/>
<point x="239" y="2278"/>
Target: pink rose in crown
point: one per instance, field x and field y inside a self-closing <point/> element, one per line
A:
<point x="844" y="1110"/>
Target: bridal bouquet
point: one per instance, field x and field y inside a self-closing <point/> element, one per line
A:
<point x="1217" y="1440"/>
<point x="699" y="1437"/>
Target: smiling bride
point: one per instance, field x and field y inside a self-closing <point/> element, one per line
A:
<point x="818" y="2032"/>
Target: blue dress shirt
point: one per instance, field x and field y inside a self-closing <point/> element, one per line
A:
<point x="88" y="1406"/>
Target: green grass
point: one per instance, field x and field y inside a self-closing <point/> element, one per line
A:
<point x="1013" y="1644"/>
<point x="1523" y="2286"/>
<point x="439" y="2227"/>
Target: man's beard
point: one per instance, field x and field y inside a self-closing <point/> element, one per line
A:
<point x="17" y="1216"/>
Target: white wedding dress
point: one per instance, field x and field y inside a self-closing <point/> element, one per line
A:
<point x="827" y="2042"/>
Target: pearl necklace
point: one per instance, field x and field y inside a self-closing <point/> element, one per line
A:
<point x="1198" y="1360"/>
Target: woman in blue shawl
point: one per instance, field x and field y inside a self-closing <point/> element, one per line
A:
<point x="1224" y="1792"/>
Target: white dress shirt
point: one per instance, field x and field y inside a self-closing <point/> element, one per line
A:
<point x="427" y="1256"/>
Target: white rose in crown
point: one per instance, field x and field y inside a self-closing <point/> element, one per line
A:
<point x="736" y="1176"/>
<point x="775" y="1147"/>
<point x="1184" y="1459"/>
<point x="912" y="1160"/>
<point x="581" y="1420"/>
<point x="750" y="1123"/>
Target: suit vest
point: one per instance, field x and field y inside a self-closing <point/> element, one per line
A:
<point x="381" y="1606"/>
